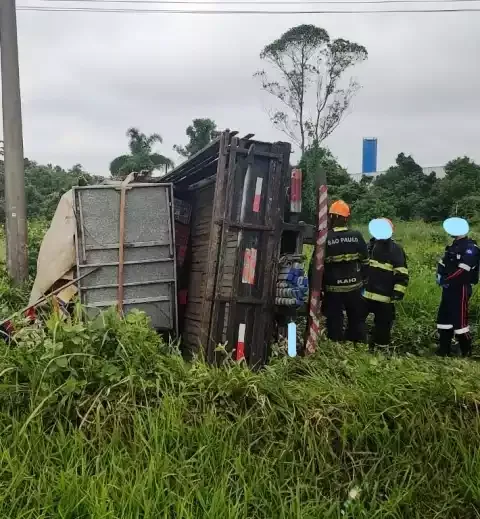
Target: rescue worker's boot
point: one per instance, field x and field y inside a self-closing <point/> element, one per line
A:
<point x="465" y="342"/>
<point x="445" y="343"/>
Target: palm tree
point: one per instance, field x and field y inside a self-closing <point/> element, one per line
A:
<point x="141" y="157"/>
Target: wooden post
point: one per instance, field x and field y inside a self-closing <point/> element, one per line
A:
<point x="315" y="307"/>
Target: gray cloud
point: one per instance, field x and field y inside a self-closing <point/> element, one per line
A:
<point x="87" y="77"/>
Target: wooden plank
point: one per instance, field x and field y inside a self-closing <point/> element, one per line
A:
<point x="263" y="325"/>
<point x="237" y="255"/>
<point x="233" y="168"/>
<point x="219" y="209"/>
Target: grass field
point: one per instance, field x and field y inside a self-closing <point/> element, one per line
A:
<point x="102" y="420"/>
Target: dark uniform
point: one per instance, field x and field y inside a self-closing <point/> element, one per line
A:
<point x="456" y="273"/>
<point x="346" y="262"/>
<point x="387" y="282"/>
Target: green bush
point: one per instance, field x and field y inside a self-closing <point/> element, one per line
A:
<point x="103" y="419"/>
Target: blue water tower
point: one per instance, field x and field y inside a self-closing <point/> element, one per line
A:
<point x="369" y="156"/>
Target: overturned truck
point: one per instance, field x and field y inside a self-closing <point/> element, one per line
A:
<point x="202" y="250"/>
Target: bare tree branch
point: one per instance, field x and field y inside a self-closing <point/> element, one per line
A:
<point x="301" y="58"/>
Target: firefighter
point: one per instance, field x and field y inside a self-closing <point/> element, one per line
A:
<point x="346" y="262"/>
<point x="456" y="273"/>
<point x="387" y="280"/>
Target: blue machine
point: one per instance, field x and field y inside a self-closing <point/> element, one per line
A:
<point x="369" y="156"/>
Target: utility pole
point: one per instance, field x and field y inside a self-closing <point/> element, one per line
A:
<point x="15" y="205"/>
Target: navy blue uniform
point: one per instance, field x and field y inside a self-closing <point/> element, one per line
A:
<point x="456" y="273"/>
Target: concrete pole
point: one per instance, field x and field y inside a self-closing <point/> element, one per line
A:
<point x="15" y="205"/>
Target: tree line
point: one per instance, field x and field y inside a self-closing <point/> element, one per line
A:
<point x="308" y="76"/>
<point x="403" y="192"/>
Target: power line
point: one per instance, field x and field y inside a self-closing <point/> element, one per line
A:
<point x="237" y="12"/>
<point x="257" y="2"/>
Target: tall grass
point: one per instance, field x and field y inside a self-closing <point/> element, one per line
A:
<point x="103" y="420"/>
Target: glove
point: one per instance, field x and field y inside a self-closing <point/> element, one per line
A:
<point x="362" y="293"/>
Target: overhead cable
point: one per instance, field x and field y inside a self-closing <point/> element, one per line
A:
<point x="238" y="12"/>
<point x="258" y="2"/>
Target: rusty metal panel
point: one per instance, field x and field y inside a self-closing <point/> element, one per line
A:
<point x="234" y="281"/>
<point x="149" y="278"/>
<point x="248" y="249"/>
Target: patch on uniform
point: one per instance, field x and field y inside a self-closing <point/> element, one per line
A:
<point x="469" y="251"/>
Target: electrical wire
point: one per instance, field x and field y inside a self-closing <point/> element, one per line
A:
<point x="258" y="2"/>
<point x="238" y="12"/>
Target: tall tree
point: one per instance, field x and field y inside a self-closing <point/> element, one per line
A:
<point x="309" y="70"/>
<point x="141" y="157"/>
<point x="200" y="133"/>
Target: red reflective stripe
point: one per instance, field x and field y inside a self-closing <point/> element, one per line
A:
<point x="241" y="342"/>
<point x="182" y="297"/>
<point x="246" y="266"/>
<point x="253" y="266"/>
<point x="296" y="191"/>
<point x="258" y="195"/>
<point x="249" y="266"/>
<point x="455" y="274"/>
<point x="464" y="308"/>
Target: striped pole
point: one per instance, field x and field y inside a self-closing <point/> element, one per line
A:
<point x="318" y="268"/>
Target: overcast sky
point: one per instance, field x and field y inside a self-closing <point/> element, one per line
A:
<point x="86" y="78"/>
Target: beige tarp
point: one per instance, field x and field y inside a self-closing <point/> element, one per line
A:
<point x="56" y="259"/>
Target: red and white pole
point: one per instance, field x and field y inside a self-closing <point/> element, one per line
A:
<point x="318" y="258"/>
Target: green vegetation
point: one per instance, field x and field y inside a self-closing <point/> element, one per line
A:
<point x="102" y="419"/>
<point x="402" y="193"/>
<point x="44" y="185"/>
<point x="141" y="158"/>
<point x="199" y="133"/>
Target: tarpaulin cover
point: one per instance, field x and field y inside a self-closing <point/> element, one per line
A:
<point x="56" y="259"/>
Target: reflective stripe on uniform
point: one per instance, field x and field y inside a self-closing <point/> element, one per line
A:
<point x="401" y="270"/>
<point x="464" y="267"/>
<point x="343" y="288"/>
<point x="400" y="288"/>
<point x="462" y="330"/>
<point x="336" y="229"/>
<point x="383" y="266"/>
<point x="342" y="257"/>
<point x="376" y="297"/>
<point x="444" y="326"/>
